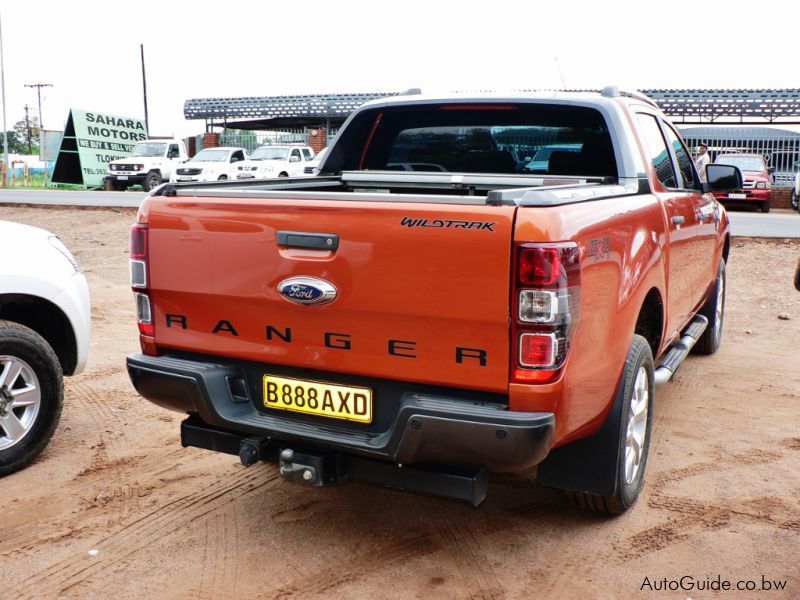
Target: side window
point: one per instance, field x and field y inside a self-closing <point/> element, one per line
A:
<point x="173" y="151"/>
<point x="307" y="154"/>
<point x="656" y="147"/>
<point x="236" y="156"/>
<point x="685" y="162"/>
<point x="296" y="153"/>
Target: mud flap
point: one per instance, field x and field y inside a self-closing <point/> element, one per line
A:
<point x="588" y="465"/>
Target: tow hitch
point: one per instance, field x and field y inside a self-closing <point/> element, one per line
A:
<point x="318" y="467"/>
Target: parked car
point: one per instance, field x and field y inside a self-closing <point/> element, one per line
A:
<point x="421" y="329"/>
<point x="151" y="163"/>
<point x="276" y="161"/>
<point x="794" y="195"/>
<point x="756" y="186"/>
<point x="45" y="325"/>
<point x="541" y="160"/>
<point x="211" y="164"/>
<point x="312" y="167"/>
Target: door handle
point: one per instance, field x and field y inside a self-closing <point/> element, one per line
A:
<point x="678" y="220"/>
<point x="307" y="239"/>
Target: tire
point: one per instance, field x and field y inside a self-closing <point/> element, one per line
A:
<point x="635" y="394"/>
<point x="222" y="178"/>
<point x="26" y="429"/>
<point x="714" y="311"/>
<point x="152" y="181"/>
<point x="283" y="174"/>
<point x="794" y="200"/>
<point x="764" y="206"/>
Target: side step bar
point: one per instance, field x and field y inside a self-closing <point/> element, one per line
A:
<point x="680" y="350"/>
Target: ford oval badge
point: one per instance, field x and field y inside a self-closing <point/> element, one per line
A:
<point x="307" y="290"/>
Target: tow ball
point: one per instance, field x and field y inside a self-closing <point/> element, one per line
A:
<point x="310" y="469"/>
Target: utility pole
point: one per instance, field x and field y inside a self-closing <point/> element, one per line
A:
<point x="144" y="89"/>
<point x="28" y="128"/>
<point x="3" y="85"/>
<point x="39" y="87"/>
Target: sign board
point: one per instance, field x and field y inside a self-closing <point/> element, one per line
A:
<point x="91" y="140"/>
<point x="49" y="144"/>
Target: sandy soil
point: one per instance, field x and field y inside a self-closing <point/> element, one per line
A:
<point x="116" y="508"/>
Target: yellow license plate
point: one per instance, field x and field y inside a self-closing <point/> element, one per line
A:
<point x="316" y="398"/>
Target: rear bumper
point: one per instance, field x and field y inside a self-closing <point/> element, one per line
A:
<point x="425" y="428"/>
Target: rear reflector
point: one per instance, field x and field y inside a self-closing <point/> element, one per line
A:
<point x="538" y="350"/>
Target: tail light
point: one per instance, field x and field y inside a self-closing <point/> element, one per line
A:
<point x="546" y="303"/>
<point x="140" y="279"/>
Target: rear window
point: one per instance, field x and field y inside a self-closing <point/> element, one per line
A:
<point x="477" y="138"/>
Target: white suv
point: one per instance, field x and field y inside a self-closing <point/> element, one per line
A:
<point x="211" y="164"/>
<point x="45" y="325"/>
<point x="276" y="161"/>
<point x="149" y="165"/>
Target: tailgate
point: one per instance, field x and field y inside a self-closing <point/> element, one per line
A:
<point x="421" y="290"/>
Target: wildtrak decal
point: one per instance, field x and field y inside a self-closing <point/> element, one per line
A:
<point x="448" y="224"/>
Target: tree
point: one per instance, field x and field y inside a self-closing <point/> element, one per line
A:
<point x="18" y="141"/>
<point x="28" y="134"/>
<point x="15" y="144"/>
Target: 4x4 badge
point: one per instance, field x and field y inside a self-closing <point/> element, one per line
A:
<point x="310" y="291"/>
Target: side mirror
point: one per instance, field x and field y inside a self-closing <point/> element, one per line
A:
<point x="770" y="170"/>
<point x="294" y="159"/>
<point x="722" y="178"/>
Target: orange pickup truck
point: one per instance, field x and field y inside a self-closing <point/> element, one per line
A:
<point x="426" y="311"/>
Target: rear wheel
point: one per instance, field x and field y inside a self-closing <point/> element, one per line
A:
<point x="765" y="206"/>
<point x="283" y="174"/>
<point x="794" y="200"/>
<point x="635" y="395"/>
<point x="714" y="311"/>
<point x="31" y="395"/>
<point x="222" y="178"/>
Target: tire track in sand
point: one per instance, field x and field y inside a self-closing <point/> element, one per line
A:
<point x="145" y="531"/>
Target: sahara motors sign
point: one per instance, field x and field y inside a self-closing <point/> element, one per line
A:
<point x="92" y="140"/>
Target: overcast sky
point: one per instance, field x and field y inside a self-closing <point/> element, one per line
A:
<point x="89" y="50"/>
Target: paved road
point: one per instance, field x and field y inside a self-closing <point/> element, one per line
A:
<point x="72" y="198"/>
<point x="781" y="223"/>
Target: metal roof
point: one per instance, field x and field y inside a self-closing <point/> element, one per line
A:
<point x="708" y="105"/>
<point x="312" y="107"/>
<point x="683" y="105"/>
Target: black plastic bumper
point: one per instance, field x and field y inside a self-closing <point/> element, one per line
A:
<point x="424" y="429"/>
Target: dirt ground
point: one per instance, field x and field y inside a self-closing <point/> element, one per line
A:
<point x="116" y="508"/>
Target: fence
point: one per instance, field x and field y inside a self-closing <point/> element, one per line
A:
<point x="779" y="147"/>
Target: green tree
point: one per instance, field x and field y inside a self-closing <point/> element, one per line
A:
<point x="27" y="135"/>
<point x="15" y="144"/>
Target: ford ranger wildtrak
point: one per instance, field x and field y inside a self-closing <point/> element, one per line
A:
<point x="420" y="329"/>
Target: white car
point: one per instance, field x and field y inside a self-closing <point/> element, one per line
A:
<point x="794" y="196"/>
<point x="151" y="162"/>
<point x="211" y="164"/>
<point x="276" y="161"/>
<point x="45" y="326"/>
<point x="312" y="168"/>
